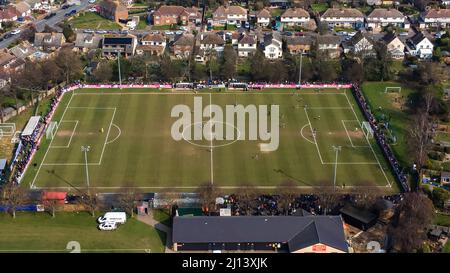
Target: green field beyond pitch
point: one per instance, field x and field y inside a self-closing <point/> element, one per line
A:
<point x="129" y="135"/>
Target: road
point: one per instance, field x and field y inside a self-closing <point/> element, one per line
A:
<point x="52" y="22"/>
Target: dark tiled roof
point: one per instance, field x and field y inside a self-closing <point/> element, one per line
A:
<point x="328" y="39"/>
<point x="336" y="12"/>
<point x="297" y="231"/>
<point x="385" y="13"/>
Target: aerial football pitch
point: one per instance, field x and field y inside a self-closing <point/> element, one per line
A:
<point x="110" y="139"/>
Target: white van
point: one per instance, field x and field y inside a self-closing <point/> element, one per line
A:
<point x="116" y="217"/>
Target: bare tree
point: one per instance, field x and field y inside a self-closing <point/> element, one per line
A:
<point x="13" y="197"/>
<point x="247" y="198"/>
<point x="288" y="191"/>
<point x="90" y="201"/>
<point x="410" y="221"/>
<point x="207" y="195"/>
<point x="70" y="64"/>
<point x="420" y="135"/>
<point x="127" y="199"/>
<point x="328" y="197"/>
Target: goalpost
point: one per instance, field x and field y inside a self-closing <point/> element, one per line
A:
<point x="392" y="89"/>
<point x="51" y="130"/>
<point x="367" y="129"/>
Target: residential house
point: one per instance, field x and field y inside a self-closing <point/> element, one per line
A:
<point x="247" y="45"/>
<point x="23" y="8"/>
<point x="85" y="42"/>
<point x="445" y="179"/>
<point x="343" y="17"/>
<point x="420" y="46"/>
<point x="173" y="15"/>
<point x="395" y="47"/>
<point x="236" y="35"/>
<point x="263" y="18"/>
<point x="272" y="45"/>
<point x="127" y="3"/>
<point x="210" y="41"/>
<point x="49" y="41"/>
<point x="23" y="51"/>
<point x="8" y="14"/>
<point x="295" y="234"/>
<point x="329" y="44"/>
<point x="183" y="45"/>
<point x="152" y="44"/>
<point x="230" y="15"/>
<point x="34" y="4"/>
<point x="123" y="44"/>
<point x="435" y="18"/>
<point x="295" y="17"/>
<point x="6" y="59"/>
<point x="112" y="10"/>
<point x="296" y="45"/>
<point x="380" y="18"/>
<point x="360" y="44"/>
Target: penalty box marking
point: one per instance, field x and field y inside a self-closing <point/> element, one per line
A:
<point x="71" y="136"/>
<point x="348" y="134"/>
<point x="104" y="143"/>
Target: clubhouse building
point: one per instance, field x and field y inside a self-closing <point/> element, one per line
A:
<point x="295" y="234"/>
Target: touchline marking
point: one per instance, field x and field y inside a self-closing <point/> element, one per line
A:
<point x="71" y="136"/>
<point x="196" y="187"/>
<point x="51" y="141"/>
<point x="373" y="151"/>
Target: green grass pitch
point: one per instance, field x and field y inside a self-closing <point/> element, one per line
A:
<point x="129" y="135"/>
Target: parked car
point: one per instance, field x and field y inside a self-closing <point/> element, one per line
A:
<point x="341" y="33"/>
<point x="403" y="33"/>
<point x="50" y="15"/>
<point x="92" y="10"/>
<point x="101" y="32"/>
<point x="238" y="25"/>
<point x="108" y="226"/>
<point x="65" y="7"/>
<point x="16" y="31"/>
<point x="91" y="1"/>
<point x="247" y="25"/>
<point x="353" y="33"/>
<point x="88" y="31"/>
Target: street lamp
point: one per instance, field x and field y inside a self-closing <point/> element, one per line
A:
<point x="86" y="149"/>
<point x="337" y="149"/>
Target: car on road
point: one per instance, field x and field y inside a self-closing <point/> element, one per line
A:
<point x="70" y="13"/>
<point x="88" y="31"/>
<point x="351" y="34"/>
<point x="403" y="33"/>
<point x="91" y="1"/>
<point x="50" y="15"/>
<point x="107" y="226"/>
<point x="65" y="7"/>
<point x="92" y="10"/>
<point x="101" y="31"/>
<point x="16" y="31"/>
<point x="7" y="36"/>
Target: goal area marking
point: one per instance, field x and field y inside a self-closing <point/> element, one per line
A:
<point x="392" y="89"/>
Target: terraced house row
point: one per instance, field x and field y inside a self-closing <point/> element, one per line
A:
<point x="332" y="17"/>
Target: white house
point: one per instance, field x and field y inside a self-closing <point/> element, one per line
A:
<point x="343" y="17"/>
<point x="329" y="44"/>
<point x="273" y="45"/>
<point x="246" y="45"/>
<point x="263" y="18"/>
<point x="395" y="47"/>
<point x="379" y="18"/>
<point x="420" y="46"/>
<point x="229" y="15"/>
<point x="212" y="42"/>
<point x="295" y="17"/>
<point x="435" y="18"/>
<point x="153" y="44"/>
<point x="360" y="43"/>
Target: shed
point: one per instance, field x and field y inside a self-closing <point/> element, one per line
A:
<point x="362" y="219"/>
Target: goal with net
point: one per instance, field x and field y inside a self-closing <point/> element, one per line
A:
<point x="7" y="129"/>
<point x="392" y="89"/>
<point x="367" y="129"/>
<point x="51" y="129"/>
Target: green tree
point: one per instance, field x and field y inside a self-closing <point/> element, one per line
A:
<point x="439" y="197"/>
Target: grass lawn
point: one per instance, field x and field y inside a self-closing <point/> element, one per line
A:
<point x="142" y="24"/>
<point x="91" y="20"/>
<point x="446" y="247"/>
<point x="40" y="232"/>
<point x="162" y="216"/>
<point x="442" y="220"/>
<point x="136" y="143"/>
<point x="319" y="7"/>
<point x="375" y="93"/>
<point x="276" y="12"/>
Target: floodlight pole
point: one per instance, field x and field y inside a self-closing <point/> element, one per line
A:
<point x="86" y="149"/>
<point x="336" y="149"/>
<point x="118" y="64"/>
<point x="300" y="70"/>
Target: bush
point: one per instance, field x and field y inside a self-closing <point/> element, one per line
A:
<point x="446" y="166"/>
<point x="436" y="155"/>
